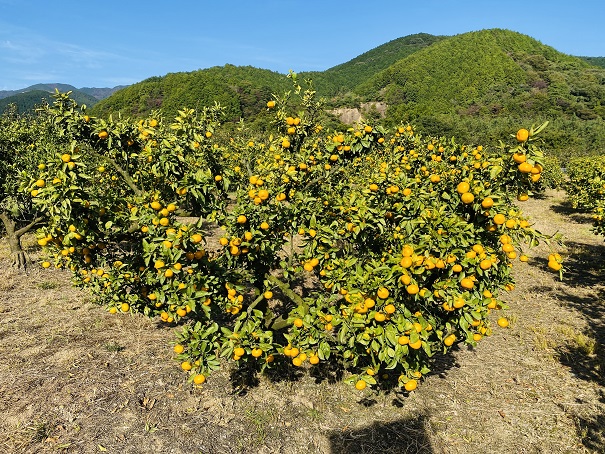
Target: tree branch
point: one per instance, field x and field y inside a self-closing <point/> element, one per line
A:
<point x="121" y="171"/>
<point x="29" y="226"/>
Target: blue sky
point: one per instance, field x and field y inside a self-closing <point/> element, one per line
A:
<point x="108" y="43"/>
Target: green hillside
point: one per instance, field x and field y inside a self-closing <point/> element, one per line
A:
<point x="595" y="61"/>
<point x="243" y="91"/>
<point x="345" y="77"/>
<point x="479" y="84"/>
<point x="25" y="102"/>
<point x="29" y="97"/>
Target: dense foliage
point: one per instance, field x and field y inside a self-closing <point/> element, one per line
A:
<point x="586" y="188"/>
<point x="367" y="249"/>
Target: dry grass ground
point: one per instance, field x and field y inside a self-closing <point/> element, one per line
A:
<point x="76" y="379"/>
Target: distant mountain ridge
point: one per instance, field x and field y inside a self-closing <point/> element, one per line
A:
<point x="96" y="93"/>
<point x="28" y="98"/>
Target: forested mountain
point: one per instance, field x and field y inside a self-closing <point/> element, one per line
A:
<point x="25" y="102"/>
<point x="343" y="78"/>
<point x="242" y="91"/>
<point x="595" y="61"/>
<point x="476" y="86"/>
<point x="28" y="97"/>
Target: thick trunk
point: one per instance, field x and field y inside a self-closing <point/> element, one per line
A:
<point x="19" y="258"/>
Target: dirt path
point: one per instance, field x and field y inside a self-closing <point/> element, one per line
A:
<point x="77" y="379"/>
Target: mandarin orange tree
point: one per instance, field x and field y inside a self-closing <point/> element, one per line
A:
<point x="367" y="249"/>
<point x="586" y="188"/>
<point x="23" y="144"/>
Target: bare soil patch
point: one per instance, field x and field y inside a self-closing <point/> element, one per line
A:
<point x="76" y="379"/>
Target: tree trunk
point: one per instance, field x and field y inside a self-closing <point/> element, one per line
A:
<point x="19" y="258"/>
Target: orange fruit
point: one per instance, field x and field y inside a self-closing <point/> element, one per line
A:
<point x="103" y="135"/>
<point x="379" y="317"/>
<point x="463" y="187"/>
<point x="553" y="265"/>
<point x="178" y="348"/>
<point x="502" y="322"/>
<point x="487" y="203"/>
<point x="383" y="293"/>
<point x="186" y="366"/>
<point x="239" y="351"/>
<point x="467" y="197"/>
<point x="270" y="104"/>
<point x="360" y="385"/>
<point x="411" y="385"/>
<point x="519" y="158"/>
<point x="522" y="135"/>
<point x="412" y="289"/>
<point x="525" y="167"/>
<point x="241" y="219"/>
<point x="416" y="345"/>
<point x="199" y="379"/>
<point x="467" y="283"/>
<point x="499" y="219"/>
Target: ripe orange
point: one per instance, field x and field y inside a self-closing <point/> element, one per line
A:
<point x="467" y="283"/>
<point x="522" y="135"/>
<point x="502" y="322"/>
<point x="65" y="157"/>
<point x="270" y="104"/>
<point x="499" y="219"/>
<point x="186" y="366"/>
<point x="463" y="187"/>
<point x="360" y="385"/>
<point x="241" y="219"/>
<point x="554" y="265"/>
<point x="178" y="348"/>
<point x="103" y="135"/>
<point x="239" y="351"/>
<point x="412" y="289"/>
<point x="416" y="345"/>
<point x="383" y="293"/>
<point x="199" y="379"/>
<point x="487" y="203"/>
<point x="525" y="167"/>
<point x="256" y="352"/>
<point x="411" y="385"/>
<point x="467" y="197"/>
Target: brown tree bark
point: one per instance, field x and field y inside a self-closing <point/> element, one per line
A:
<point x="19" y="258"/>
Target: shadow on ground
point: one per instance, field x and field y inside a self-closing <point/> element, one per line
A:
<point x="584" y="354"/>
<point x="405" y="436"/>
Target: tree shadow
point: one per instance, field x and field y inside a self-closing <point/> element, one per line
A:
<point x="591" y="429"/>
<point x="575" y="214"/>
<point x="404" y="436"/>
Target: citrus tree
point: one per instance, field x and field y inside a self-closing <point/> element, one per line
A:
<point x="367" y="249"/>
<point x="586" y="188"/>
<point x="23" y="144"/>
